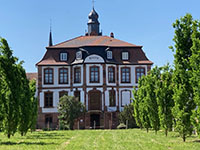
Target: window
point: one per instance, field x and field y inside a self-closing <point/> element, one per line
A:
<point x="63" y="76"/>
<point x="125" y="75"/>
<point x="94" y="74"/>
<point x="48" y="76"/>
<point x="63" y="56"/>
<point x="48" y="121"/>
<point x="109" y="54"/>
<point x="112" y="100"/>
<point x="62" y="93"/>
<point x="77" y="95"/>
<point x="79" y="55"/>
<point x="125" y="56"/>
<point x="48" y="99"/>
<point x="139" y="73"/>
<point x="77" y="75"/>
<point x="111" y="74"/>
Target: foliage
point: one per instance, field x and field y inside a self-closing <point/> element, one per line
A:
<point x="183" y="93"/>
<point x="15" y="100"/>
<point x="150" y="99"/>
<point x="164" y="96"/>
<point x="140" y="105"/>
<point x="121" y="126"/>
<point x="195" y="71"/>
<point x="127" y="115"/>
<point x="69" y="109"/>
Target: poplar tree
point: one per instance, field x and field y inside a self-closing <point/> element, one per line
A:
<point x="151" y="103"/>
<point x="142" y="104"/>
<point x="10" y="91"/>
<point x="164" y="96"/>
<point x="183" y="96"/>
<point x="195" y="79"/>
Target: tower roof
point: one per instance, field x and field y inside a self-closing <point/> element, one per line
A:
<point x="93" y="17"/>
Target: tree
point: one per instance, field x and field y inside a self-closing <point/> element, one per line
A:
<point x="183" y="94"/>
<point x="69" y="109"/>
<point x="10" y="91"/>
<point x="141" y="105"/>
<point x="127" y="115"/>
<point x="136" y="112"/>
<point x="34" y="105"/>
<point x="195" y="71"/>
<point x="150" y="99"/>
<point x="164" y="96"/>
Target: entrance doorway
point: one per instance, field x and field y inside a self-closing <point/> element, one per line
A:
<point x="95" y="120"/>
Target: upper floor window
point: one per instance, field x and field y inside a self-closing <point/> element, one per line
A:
<point x="77" y="75"/>
<point x="112" y="100"/>
<point x="48" y="76"/>
<point x="139" y="73"/>
<point x="125" y="55"/>
<point x="125" y="75"/>
<point x="94" y="74"/>
<point x="109" y="54"/>
<point x="79" y="55"/>
<point x="111" y="74"/>
<point x="48" y="99"/>
<point x="63" y="56"/>
<point x="63" y="76"/>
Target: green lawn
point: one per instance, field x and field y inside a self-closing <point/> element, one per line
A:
<point x="134" y="139"/>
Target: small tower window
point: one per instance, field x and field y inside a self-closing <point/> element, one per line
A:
<point x="109" y="54"/>
<point x="125" y="55"/>
<point x="79" y="55"/>
<point x="63" y="56"/>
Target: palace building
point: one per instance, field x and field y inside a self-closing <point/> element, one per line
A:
<point x="100" y="70"/>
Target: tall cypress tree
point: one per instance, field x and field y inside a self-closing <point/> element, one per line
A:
<point x="183" y="96"/>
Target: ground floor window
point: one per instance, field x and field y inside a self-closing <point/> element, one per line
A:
<point x="77" y="95"/>
<point x="62" y="93"/>
<point x="112" y="99"/>
<point x="48" y="99"/>
<point x="48" y="121"/>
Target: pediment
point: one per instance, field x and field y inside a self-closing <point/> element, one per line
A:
<point x="94" y="59"/>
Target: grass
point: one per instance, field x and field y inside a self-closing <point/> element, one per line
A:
<point x="98" y="140"/>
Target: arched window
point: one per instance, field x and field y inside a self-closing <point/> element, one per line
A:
<point x="63" y="76"/>
<point x="111" y="74"/>
<point x="48" y="76"/>
<point x="125" y="75"/>
<point x="94" y="74"/>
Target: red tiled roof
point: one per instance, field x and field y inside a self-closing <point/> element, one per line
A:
<point x="93" y="41"/>
<point x="31" y="76"/>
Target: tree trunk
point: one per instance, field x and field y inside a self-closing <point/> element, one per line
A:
<point x="166" y="132"/>
<point x="8" y="135"/>
<point x="184" y="138"/>
<point x="147" y="130"/>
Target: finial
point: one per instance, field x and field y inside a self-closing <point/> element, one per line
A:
<point x="93" y="3"/>
<point x="50" y="36"/>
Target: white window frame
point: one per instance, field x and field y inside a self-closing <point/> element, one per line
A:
<point x="63" y="56"/>
<point x="109" y="54"/>
<point x="125" y="55"/>
<point x="77" y="54"/>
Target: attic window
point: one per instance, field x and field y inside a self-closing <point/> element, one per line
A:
<point x="125" y="55"/>
<point x="63" y="56"/>
<point x="109" y="54"/>
<point x="79" y="55"/>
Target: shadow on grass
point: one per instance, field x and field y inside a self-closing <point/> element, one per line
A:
<point x="45" y="136"/>
<point x="26" y="143"/>
<point x="196" y="141"/>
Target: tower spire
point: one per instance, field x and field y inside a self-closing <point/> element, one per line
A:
<point x="50" y="36"/>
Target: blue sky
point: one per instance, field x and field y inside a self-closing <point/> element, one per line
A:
<point x="25" y="24"/>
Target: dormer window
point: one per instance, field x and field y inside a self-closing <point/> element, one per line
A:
<point x="125" y="55"/>
<point x="63" y="56"/>
<point x="109" y="54"/>
<point x="79" y="55"/>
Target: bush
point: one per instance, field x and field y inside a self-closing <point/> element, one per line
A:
<point x="127" y="114"/>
